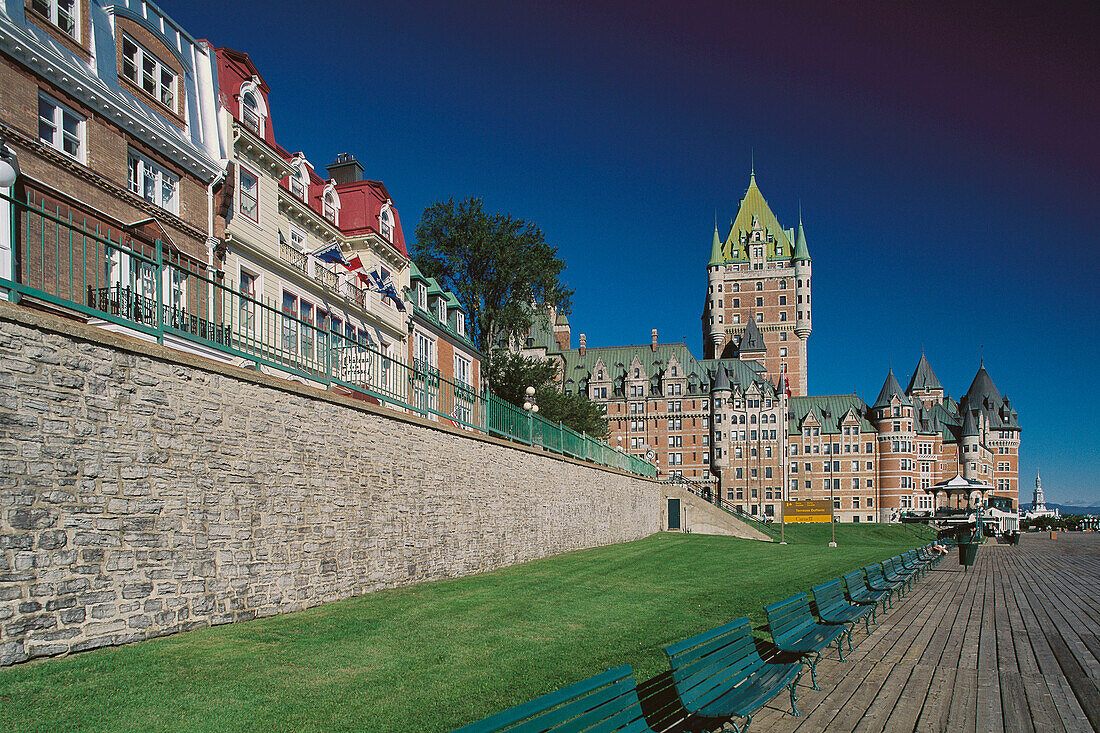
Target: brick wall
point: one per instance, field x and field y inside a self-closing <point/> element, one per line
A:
<point x="144" y="491"/>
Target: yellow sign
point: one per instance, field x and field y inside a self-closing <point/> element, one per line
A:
<point x="810" y="510"/>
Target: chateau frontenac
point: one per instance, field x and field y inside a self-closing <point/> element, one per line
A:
<point x="740" y="419"/>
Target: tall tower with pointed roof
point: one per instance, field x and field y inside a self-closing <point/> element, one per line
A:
<point x="759" y="273"/>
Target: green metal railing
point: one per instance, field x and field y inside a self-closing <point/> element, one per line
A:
<point x="112" y="275"/>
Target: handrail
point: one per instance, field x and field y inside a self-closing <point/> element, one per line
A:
<point x="64" y="263"/>
<point x="712" y="496"/>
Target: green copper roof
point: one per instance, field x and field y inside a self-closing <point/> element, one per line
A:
<point x="801" y="250"/>
<point x="753" y="204"/>
<point x="715" y="249"/>
<point x="829" y="410"/>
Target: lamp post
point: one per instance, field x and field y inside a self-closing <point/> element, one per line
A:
<point x="531" y="407"/>
<point x="832" y="514"/>
<point x="9" y="172"/>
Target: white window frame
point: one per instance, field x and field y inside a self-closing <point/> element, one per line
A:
<point x="60" y="135"/>
<point x="385" y="222"/>
<point x="463" y="373"/>
<point x="441" y="311"/>
<point x="142" y="170"/>
<point x="143" y="58"/>
<point x="422" y="296"/>
<point x="460" y="323"/>
<point x="298" y="239"/>
<point x="241" y="171"/>
<point x="53" y="13"/>
<point x="246" y="310"/>
<point x="330" y="205"/>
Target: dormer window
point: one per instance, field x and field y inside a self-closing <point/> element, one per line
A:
<point x="442" y="310"/>
<point x="460" y="323"/>
<point x="422" y="296"/>
<point x="330" y="205"/>
<point x="298" y="186"/>
<point x="250" y="113"/>
<point x="62" y="13"/>
<point x="386" y="221"/>
<point x="149" y="73"/>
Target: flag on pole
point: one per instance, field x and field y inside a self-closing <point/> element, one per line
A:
<point x="354" y="264"/>
<point x="384" y="285"/>
<point x="331" y="253"/>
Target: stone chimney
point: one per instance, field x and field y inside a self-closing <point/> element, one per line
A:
<point x="581" y="348"/>
<point x="653" y="340"/>
<point x="345" y="169"/>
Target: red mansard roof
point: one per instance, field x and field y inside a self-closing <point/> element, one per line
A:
<point x="361" y="206"/>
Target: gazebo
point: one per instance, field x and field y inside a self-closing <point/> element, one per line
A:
<point x="961" y="495"/>
<point x="959" y="492"/>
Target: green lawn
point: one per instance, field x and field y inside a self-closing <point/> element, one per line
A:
<point x="439" y="655"/>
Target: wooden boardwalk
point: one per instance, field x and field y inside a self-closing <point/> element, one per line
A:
<point x="1013" y="644"/>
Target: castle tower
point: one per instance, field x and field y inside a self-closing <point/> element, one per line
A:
<point x="892" y="417"/>
<point x="720" y="393"/>
<point x="802" y="271"/>
<point x="713" y="333"/>
<point x="997" y="456"/>
<point x="760" y="272"/>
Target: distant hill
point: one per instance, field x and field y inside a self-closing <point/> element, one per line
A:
<point x="1066" y="508"/>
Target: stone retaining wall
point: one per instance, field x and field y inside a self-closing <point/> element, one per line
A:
<point x="144" y="491"/>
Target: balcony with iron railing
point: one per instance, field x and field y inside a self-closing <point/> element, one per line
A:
<point x="294" y="258"/>
<point x="326" y="277"/>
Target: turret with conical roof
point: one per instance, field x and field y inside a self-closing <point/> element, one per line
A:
<point x="924" y="385"/>
<point x="712" y="314"/>
<point x="720" y="392"/>
<point x="803" y="323"/>
<point x="751" y="344"/>
<point x="890" y="390"/>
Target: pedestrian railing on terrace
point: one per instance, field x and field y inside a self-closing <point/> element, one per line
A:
<point x="109" y="275"/>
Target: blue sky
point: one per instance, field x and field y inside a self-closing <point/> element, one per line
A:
<point x="946" y="159"/>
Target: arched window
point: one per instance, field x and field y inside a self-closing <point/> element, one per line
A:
<point x="253" y="111"/>
<point x="385" y="220"/>
<point x="299" y="179"/>
<point x="330" y="204"/>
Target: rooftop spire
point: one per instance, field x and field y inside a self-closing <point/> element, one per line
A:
<point x="716" y="257"/>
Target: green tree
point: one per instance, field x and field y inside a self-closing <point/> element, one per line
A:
<point x="497" y="266"/>
<point x="510" y="374"/>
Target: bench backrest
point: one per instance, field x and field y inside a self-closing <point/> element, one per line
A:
<point x="874" y="574"/>
<point x="707" y="665"/>
<point x="606" y="702"/>
<point x="857" y="586"/>
<point x="890" y="566"/>
<point x="789" y="618"/>
<point x="829" y="596"/>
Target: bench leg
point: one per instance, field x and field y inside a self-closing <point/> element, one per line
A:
<point x="813" y="671"/>
<point x="850" y="628"/>
<point x="867" y="621"/>
<point x="840" y="646"/>
<point x="794" y="695"/>
<point x="742" y="729"/>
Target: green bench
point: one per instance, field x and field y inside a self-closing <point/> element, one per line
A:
<point x="893" y="570"/>
<point x="601" y="704"/>
<point x="877" y="581"/>
<point x="859" y="593"/>
<point x="914" y="561"/>
<point x="832" y="608"/>
<point x="719" y="674"/>
<point x="794" y="630"/>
